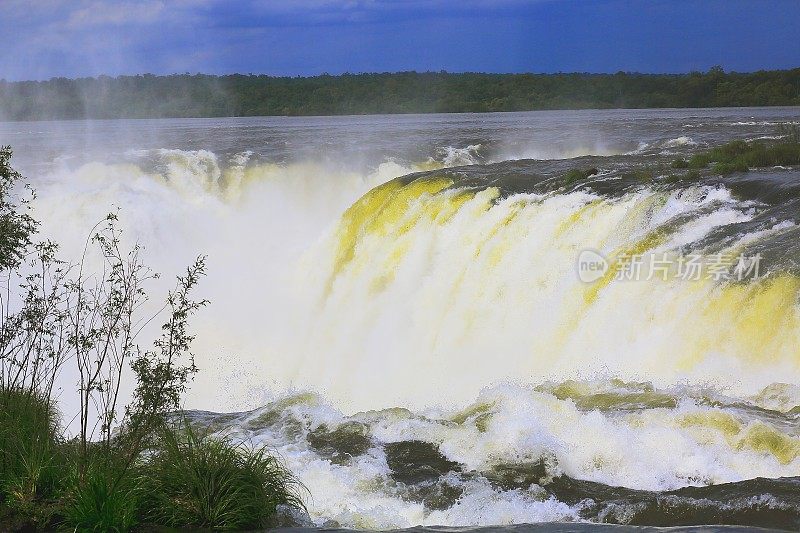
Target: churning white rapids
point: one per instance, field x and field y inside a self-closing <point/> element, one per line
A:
<point x="420" y="349"/>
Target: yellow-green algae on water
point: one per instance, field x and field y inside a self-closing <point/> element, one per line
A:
<point x="624" y="395"/>
<point x="377" y="210"/>
<point x="479" y="413"/>
<point x="390" y="212"/>
<point x="757" y="436"/>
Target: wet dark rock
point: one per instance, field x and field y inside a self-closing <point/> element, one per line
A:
<point x="348" y="440"/>
<point x="436" y="496"/>
<point x="762" y="502"/>
<point x="421" y="468"/>
<point x="518" y="476"/>
<point x="416" y="461"/>
<point x="773" y="503"/>
<point x="573" y="491"/>
<point x="288" y="516"/>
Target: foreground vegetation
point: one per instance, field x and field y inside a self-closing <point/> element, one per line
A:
<point x="134" y="466"/>
<point x="187" y="95"/>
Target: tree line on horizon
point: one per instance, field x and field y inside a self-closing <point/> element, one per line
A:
<point x="200" y="95"/>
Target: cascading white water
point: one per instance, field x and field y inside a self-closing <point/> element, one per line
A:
<point x="440" y="291"/>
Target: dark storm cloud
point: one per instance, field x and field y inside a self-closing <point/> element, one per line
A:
<point x="71" y="38"/>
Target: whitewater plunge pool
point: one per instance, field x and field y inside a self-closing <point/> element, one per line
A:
<point x="398" y="306"/>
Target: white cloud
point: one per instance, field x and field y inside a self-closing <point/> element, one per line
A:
<point x="116" y="14"/>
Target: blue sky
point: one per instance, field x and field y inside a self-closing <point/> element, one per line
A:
<point x="46" y="38"/>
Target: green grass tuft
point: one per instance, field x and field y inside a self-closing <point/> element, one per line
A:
<point x="103" y="501"/>
<point x="195" y="480"/>
<point x="725" y="168"/>
<point x="30" y="462"/>
<point x="641" y="174"/>
<point x="740" y="156"/>
<point x="698" y="161"/>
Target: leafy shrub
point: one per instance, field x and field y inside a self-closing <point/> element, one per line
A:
<point x="195" y="480"/>
<point x="16" y="224"/>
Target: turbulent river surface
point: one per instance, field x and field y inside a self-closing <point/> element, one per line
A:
<point x="434" y="327"/>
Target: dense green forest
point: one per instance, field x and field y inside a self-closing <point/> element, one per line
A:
<point x="407" y="92"/>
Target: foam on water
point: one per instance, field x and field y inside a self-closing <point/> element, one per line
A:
<point x="619" y="434"/>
